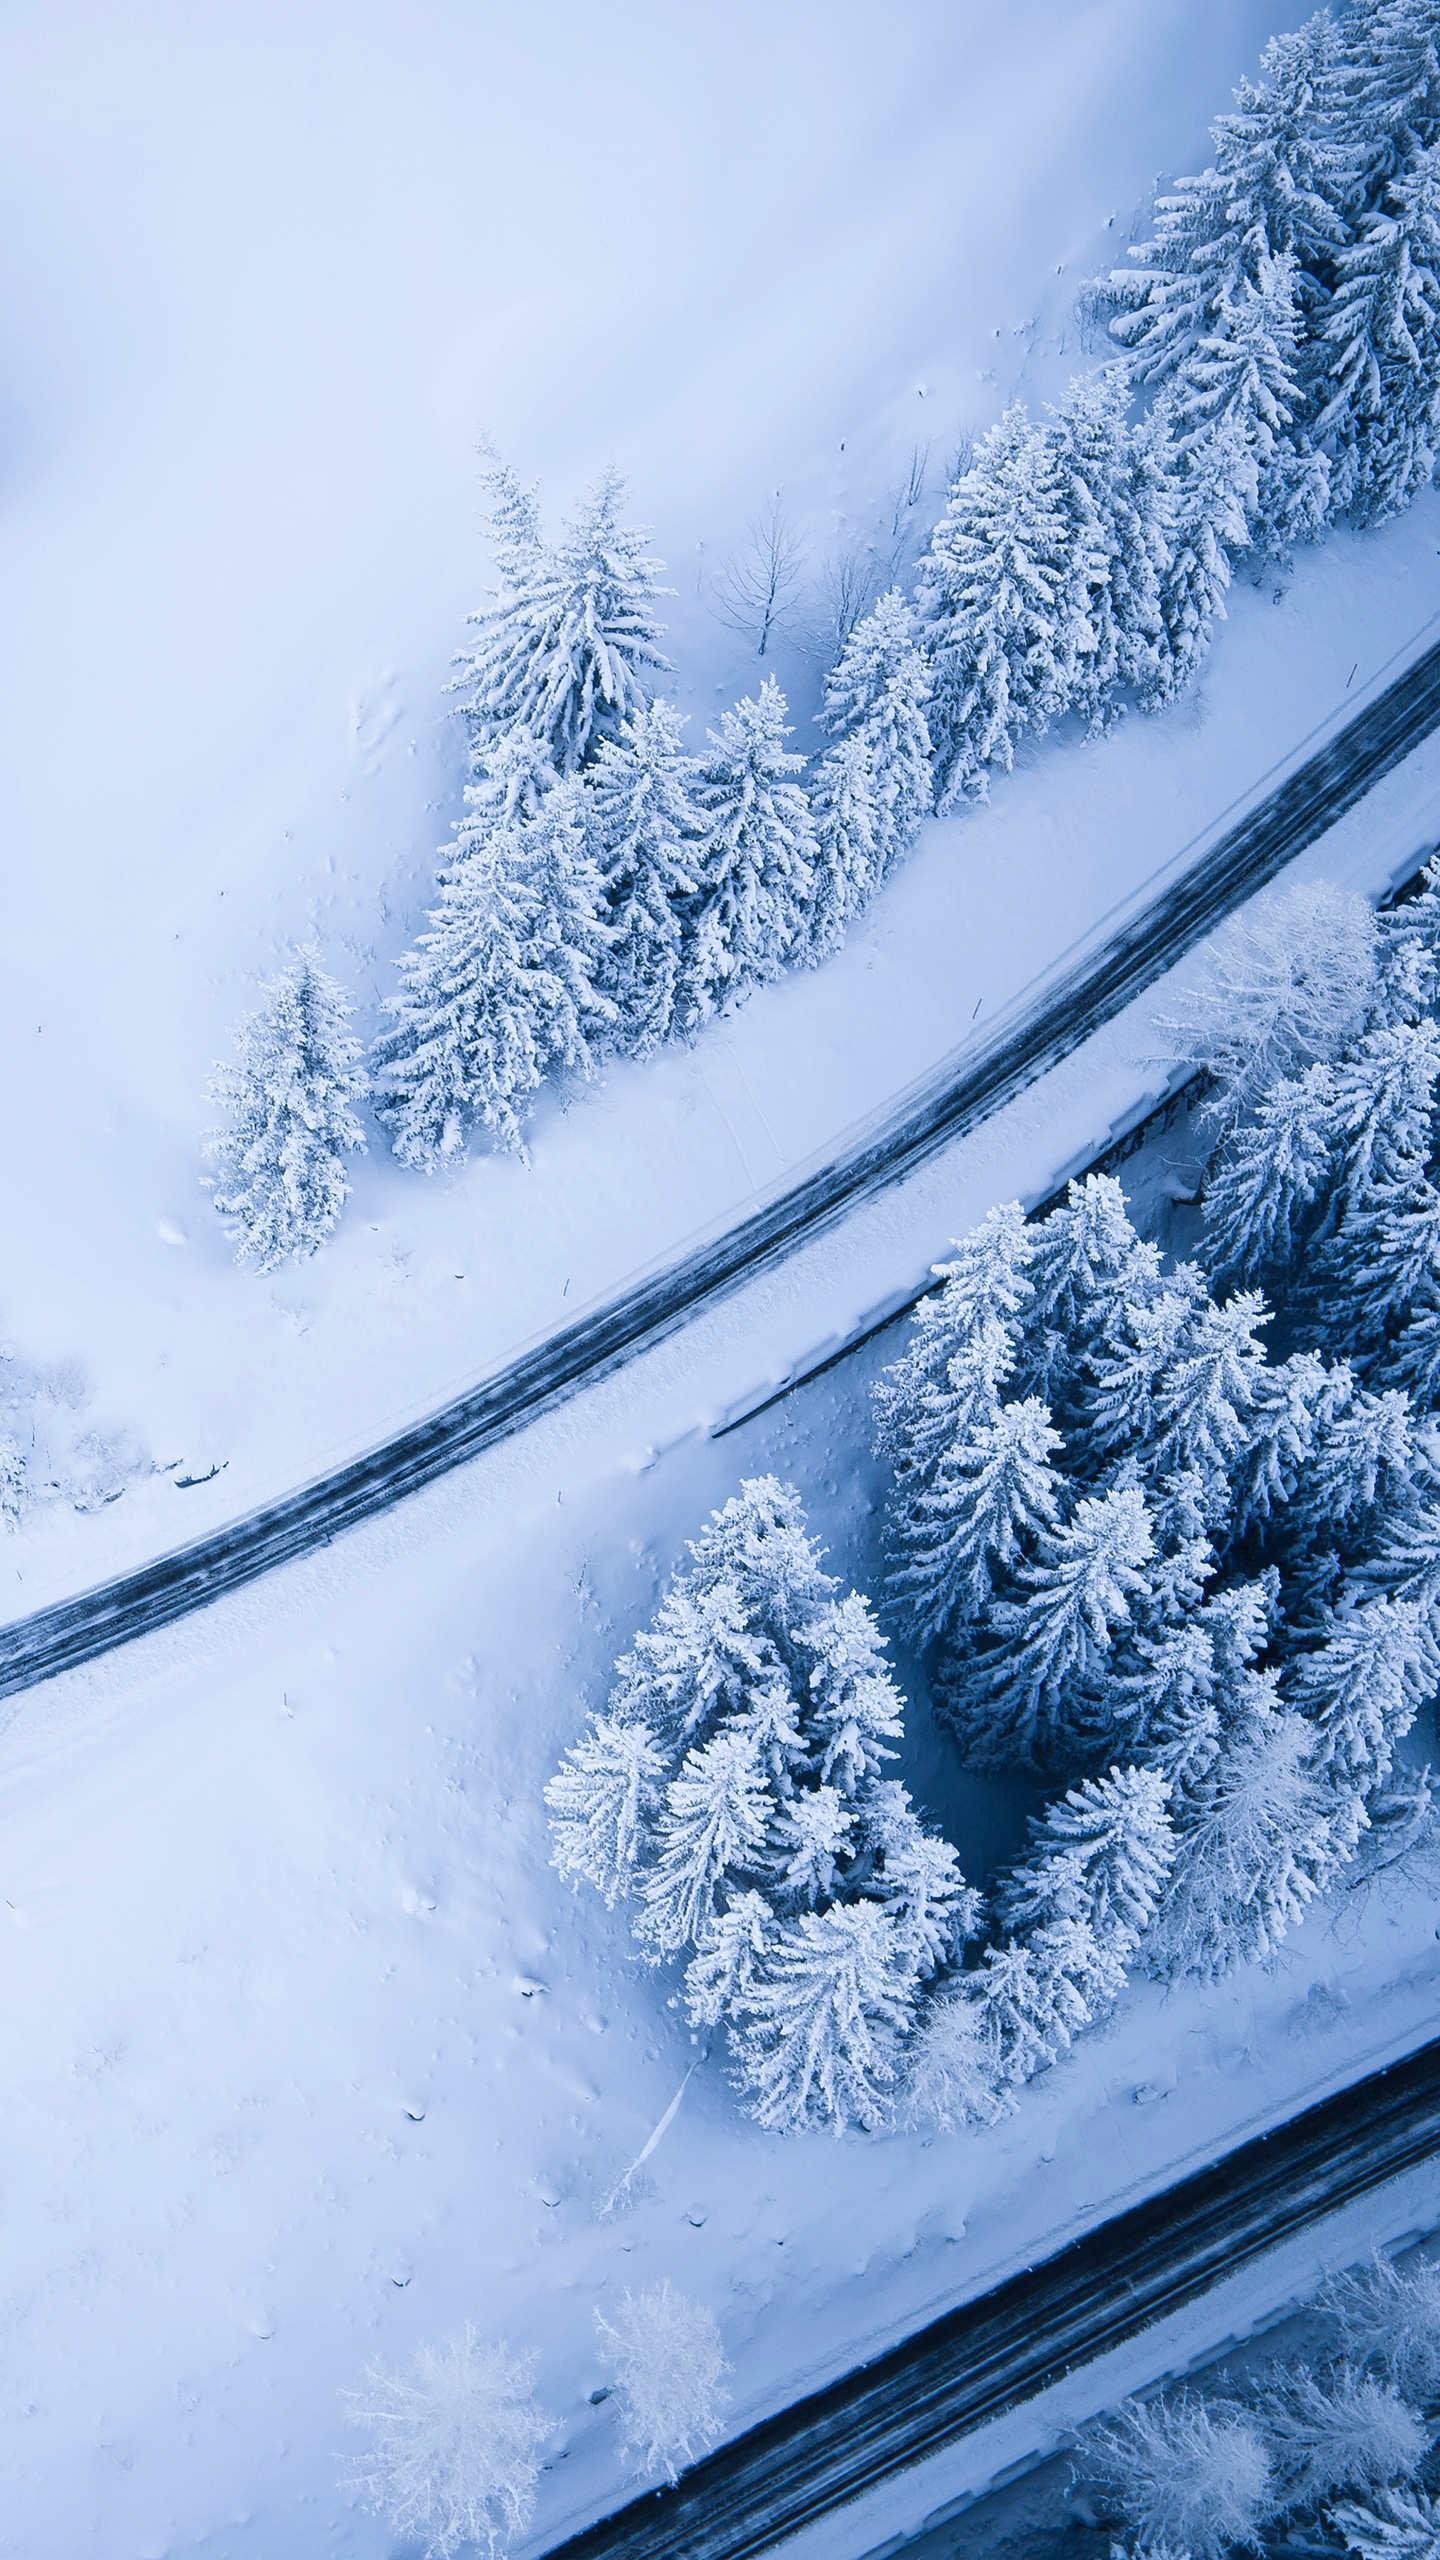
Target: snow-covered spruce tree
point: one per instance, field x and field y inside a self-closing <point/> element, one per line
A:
<point x="568" y="644"/>
<point x="642" y="822"/>
<point x="465" y="1049"/>
<point x="1361" y="1685"/>
<point x="996" y="602"/>
<point x="1240" y="385"/>
<point x="501" y="990"/>
<point x="669" y="2369"/>
<point x="751" y="1801"/>
<point x="1281" y="185"/>
<point x="1100" y="1854"/>
<point x="1390" y="58"/>
<point x="568" y="936"/>
<point x="1290" y="980"/>
<point x="1210" y="528"/>
<point x="1256" y="1841"/>
<point x="280" y="1177"/>
<point x="454" y="2446"/>
<point x="877" y="693"/>
<point x="1035" y="1690"/>
<point x="1184" y="2474"/>
<point x="845" y="856"/>
<point x="1380" y="354"/>
<point x="752" y="860"/>
<point x="1398" y="2524"/>
<point x="1118" y="504"/>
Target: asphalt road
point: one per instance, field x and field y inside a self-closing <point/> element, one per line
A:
<point x="971" y="1085"/>
<point x="1002" y="2348"/>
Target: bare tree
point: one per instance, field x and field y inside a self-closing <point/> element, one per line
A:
<point x="759" y="588"/>
<point x="847" y="588"/>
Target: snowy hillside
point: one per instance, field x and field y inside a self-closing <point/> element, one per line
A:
<point x="274" y="281"/>
<point x="312" y="2056"/>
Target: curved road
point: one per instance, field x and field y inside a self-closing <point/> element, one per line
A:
<point x="972" y="1084"/>
<point x="1007" y="2345"/>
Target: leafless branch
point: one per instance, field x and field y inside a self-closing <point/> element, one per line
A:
<point x="759" y="588"/>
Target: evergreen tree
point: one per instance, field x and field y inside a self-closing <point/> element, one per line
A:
<point x="1396" y="2524"/>
<point x="514" y="520"/>
<point x="1030" y="2000"/>
<point x="1279" y="188"/>
<point x="1261" y="1205"/>
<point x="280" y="1177"/>
<point x="1211" y="527"/>
<point x="567" y="646"/>
<point x="1240" y="385"/>
<point x="878" y="693"/>
<point x="1100" y="1854"/>
<point x="641" y="815"/>
<point x="993" y="1496"/>
<point x="715" y="1824"/>
<point x="1087" y="1267"/>
<point x="1391" y="53"/>
<point x="964" y="1340"/>
<point x="771" y="1715"/>
<point x="753" y="859"/>
<point x="845" y="859"/>
<point x="509" y="778"/>
<point x="1358" y="1686"/>
<point x="1118" y="507"/>
<point x="823" y="2021"/>
<point x="1035" y="1683"/>
<point x="1255" y="1842"/>
<point x="468" y="1044"/>
<point x="996" y="602"/>
<point x="603" y="1801"/>
<point x="950" y="2078"/>
<point x="1288" y="982"/>
<point x="1380" y="355"/>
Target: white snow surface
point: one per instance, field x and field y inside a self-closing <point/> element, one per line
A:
<point x="269" y="274"/>
<point x="310" y="2058"/>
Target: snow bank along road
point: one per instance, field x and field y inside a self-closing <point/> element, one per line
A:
<point x="974" y="1082"/>
<point x="982" y="2359"/>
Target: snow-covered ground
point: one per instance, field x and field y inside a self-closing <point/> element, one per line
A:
<point x="269" y="275"/>
<point x="309" y="2056"/>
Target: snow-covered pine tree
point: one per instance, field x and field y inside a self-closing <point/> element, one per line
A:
<point x="1032" y="1691"/>
<point x="642" y="820"/>
<point x="1261" y="1204"/>
<point x="466" y="1047"/>
<point x="1100" y="1854"/>
<point x="1337" y="2429"/>
<point x="568" y="645"/>
<point x="1387" y="2319"/>
<point x="1086" y="1266"/>
<point x="603" y="1801"/>
<point x="513" y="519"/>
<point x="1280" y="186"/>
<point x="772" y="1715"/>
<point x="753" y="859"/>
<point x="1390" y="52"/>
<point x="1239" y="388"/>
<point x="509" y="778"/>
<point x="1379" y="358"/>
<point x="994" y="1494"/>
<point x="1255" y="1841"/>
<point x="1395" y="2524"/>
<point x="823" y="2021"/>
<point x="1361" y="1686"/>
<point x="280" y="1177"/>
<point x="1210" y="528"/>
<point x="1117" y="516"/>
<point x="996" y="602"/>
<point x="845" y="856"/>
<point x="975" y="1317"/>
<point x="1032" y="1997"/>
<point x="567" y="938"/>
<point x="878" y="693"/>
